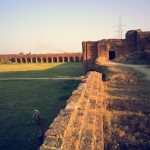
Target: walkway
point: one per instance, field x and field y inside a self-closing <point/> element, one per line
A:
<point x="80" y="125"/>
<point x="56" y="78"/>
<point x="142" y="68"/>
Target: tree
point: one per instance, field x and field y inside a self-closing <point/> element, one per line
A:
<point x="21" y="53"/>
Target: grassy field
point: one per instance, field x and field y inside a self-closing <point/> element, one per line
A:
<point x="126" y="112"/>
<point x="18" y="99"/>
<point x="40" y="70"/>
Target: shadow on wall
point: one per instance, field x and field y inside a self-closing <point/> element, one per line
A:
<point x="89" y="65"/>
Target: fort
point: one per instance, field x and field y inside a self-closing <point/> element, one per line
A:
<point x="39" y="58"/>
<point x="80" y="125"/>
<point x="135" y="40"/>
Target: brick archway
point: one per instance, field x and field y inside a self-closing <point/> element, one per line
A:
<point x="44" y="60"/>
<point x="55" y="59"/>
<point x="18" y="60"/>
<point x="49" y="59"/>
<point x="65" y="59"/>
<point x="23" y="60"/>
<point x="28" y="60"/>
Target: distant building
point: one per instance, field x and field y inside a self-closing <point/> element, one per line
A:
<point x="135" y="40"/>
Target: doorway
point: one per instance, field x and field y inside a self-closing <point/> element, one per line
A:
<point x="112" y="55"/>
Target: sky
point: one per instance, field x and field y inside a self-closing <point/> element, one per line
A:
<point x="58" y="26"/>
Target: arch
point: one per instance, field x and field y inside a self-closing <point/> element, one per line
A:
<point x="28" y="60"/>
<point x="81" y="58"/>
<point x="44" y="60"/>
<point x="60" y="59"/>
<point x="18" y="60"/>
<point x="65" y="59"/>
<point x="71" y="59"/>
<point x="49" y="59"/>
<point x="39" y="60"/>
<point x="55" y="59"/>
<point x="12" y="60"/>
<point x="77" y="59"/>
<point x="23" y="60"/>
<point x="34" y="60"/>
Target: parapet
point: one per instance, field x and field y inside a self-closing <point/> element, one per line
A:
<point x="80" y="125"/>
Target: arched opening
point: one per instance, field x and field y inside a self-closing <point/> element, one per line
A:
<point x="65" y="59"/>
<point x="71" y="59"/>
<point x="49" y="60"/>
<point x="112" y="55"/>
<point x="60" y="59"/>
<point x="44" y="60"/>
<point x="34" y="60"/>
<point x="12" y="60"/>
<point x="54" y="59"/>
<point x="23" y="60"/>
<point x="81" y="58"/>
<point x="39" y="60"/>
<point x="18" y="60"/>
<point x="28" y="60"/>
<point x="77" y="59"/>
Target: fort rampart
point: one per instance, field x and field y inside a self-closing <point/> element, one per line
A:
<point x="135" y="40"/>
<point x="39" y="58"/>
<point x="80" y="125"/>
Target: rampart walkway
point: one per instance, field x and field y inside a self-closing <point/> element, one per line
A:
<point x="80" y="125"/>
<point x="142" y="68"/>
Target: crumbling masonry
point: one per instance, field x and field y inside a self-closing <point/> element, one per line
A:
<point x="135" y="40"/>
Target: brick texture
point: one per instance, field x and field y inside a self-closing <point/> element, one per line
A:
<point x="80" y="125"/>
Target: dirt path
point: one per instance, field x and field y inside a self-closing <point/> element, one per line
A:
<point x="142" y="68"/>
<point x="56" y="78"/>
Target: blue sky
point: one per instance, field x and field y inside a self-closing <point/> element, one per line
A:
<point x="53" y="26"/>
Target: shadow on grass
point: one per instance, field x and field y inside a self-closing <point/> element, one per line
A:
<point x="64" y="69"/>
<point x="18" y="99"/>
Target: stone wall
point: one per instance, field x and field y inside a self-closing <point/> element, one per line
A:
<point x="80" y="125"/>
<point x="39" y="58"/>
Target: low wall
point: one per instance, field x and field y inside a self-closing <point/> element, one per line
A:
<point x="80" y="125"/>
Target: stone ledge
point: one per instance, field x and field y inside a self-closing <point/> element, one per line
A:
<point x="80" y="125"/>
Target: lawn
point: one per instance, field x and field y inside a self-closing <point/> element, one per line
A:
<point x="18" y="99"/>
<point x="40" y="70"/>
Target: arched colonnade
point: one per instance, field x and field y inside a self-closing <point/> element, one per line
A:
<point x="46" y="59"/>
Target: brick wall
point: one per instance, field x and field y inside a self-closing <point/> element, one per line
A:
<point x="80" y="125"/>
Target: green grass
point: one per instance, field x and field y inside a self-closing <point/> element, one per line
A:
<point x="18" y="99"/>
<point x="40" y="70"/>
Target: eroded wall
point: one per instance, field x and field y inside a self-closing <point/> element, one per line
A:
<point x="80" y="125"/>
<point x="135" y="40"/>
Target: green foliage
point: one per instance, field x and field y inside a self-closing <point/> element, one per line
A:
<point x="21" y="54"/>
